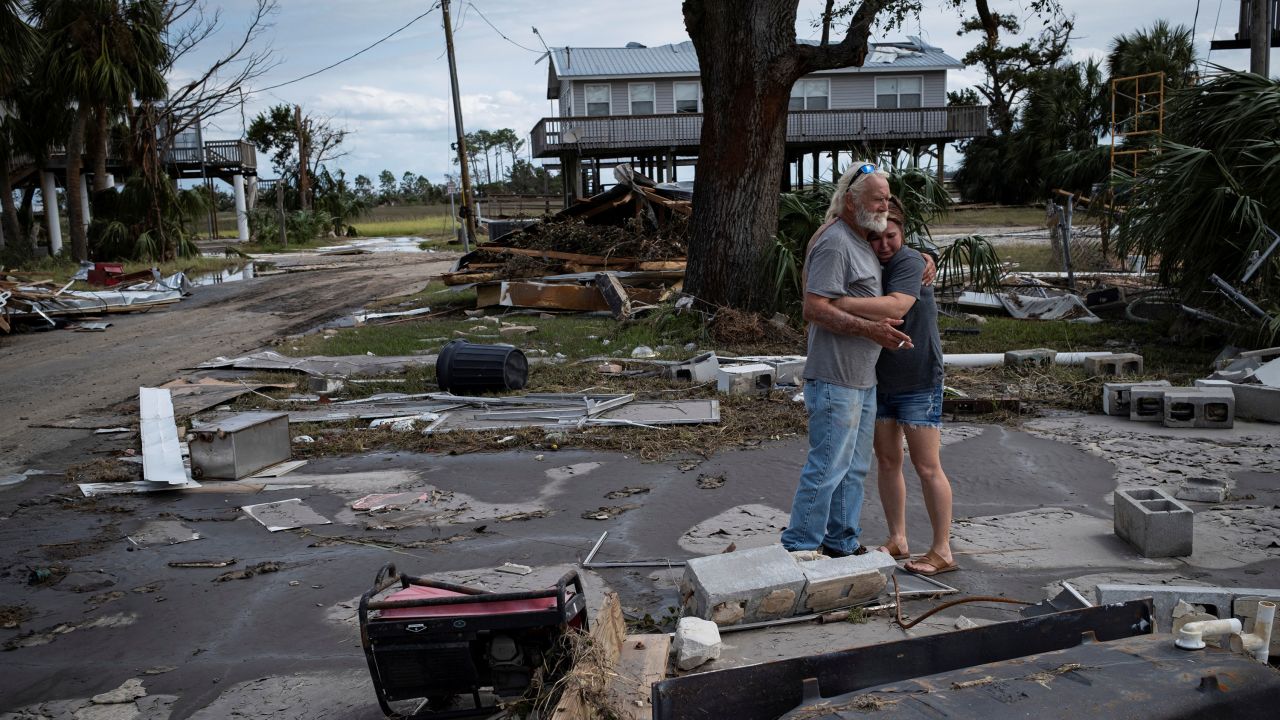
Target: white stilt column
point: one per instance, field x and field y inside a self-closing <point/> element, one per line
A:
<point x="84" y="198"/>
<point x="49" y="194"/>
<point x="242" y="213"/>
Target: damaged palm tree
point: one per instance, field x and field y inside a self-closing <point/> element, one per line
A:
<point x="1205" y="202"/>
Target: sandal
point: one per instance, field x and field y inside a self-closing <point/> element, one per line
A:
<point x="935" y="564"/>
<point x="893" y="551"/>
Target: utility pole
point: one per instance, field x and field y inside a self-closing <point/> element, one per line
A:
<point x="1260" y="38"/>
<point x="468" y="214"/>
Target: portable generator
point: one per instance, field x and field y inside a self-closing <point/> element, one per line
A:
<point x="438" y="642"/>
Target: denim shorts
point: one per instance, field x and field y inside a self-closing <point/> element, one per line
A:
<point x="913" y="408"/>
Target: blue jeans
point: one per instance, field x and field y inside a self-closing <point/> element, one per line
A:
<point x="828" y="501"/>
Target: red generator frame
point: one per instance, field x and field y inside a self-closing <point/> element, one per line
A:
<point x="435" y="641"/>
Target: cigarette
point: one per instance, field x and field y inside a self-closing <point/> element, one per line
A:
<point x="901" y="343"/>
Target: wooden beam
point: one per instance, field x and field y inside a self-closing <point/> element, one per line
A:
<point x="642" y="662"/>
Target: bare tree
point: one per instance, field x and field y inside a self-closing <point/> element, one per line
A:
<point x="222" y="84"/>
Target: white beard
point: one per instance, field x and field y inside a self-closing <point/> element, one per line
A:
<point x="875" y="222"/>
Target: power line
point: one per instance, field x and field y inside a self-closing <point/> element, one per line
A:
<point x="500" y="33"/>
<point x="1213" y="33"/>
<point x="352" y="56"/>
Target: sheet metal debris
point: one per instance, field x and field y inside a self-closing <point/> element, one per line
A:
<point x="342" y="365"/>
<point x="161" y="455"/>
<point x="284" y="515"/>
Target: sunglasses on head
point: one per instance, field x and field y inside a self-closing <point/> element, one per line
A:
<point x="864" y="169"/>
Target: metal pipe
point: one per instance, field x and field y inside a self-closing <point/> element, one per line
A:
<point x="974" y="360"/>
<point x="1191" y="635"/>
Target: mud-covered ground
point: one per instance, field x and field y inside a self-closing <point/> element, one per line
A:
<point x="102" y="614"/>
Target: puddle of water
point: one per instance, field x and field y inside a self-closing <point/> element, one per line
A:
<point x="234" y="274"/>
<point x="378" y="244"/>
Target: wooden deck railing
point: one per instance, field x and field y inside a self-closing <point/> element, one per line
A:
<point x="625" y="133"/>
<point x="217" y="153"/>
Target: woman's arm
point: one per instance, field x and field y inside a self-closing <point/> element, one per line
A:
<point x="894" y="305"/>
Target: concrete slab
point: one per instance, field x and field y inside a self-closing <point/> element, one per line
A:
<point x="744" y="586"/>
<point x="1047" y="539"/>
<point x="836" y="582"/>
<point x="744" y="527"/>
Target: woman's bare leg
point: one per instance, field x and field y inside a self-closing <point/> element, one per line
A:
<point x="893" y="488"/>
<point x="923" y="443"/>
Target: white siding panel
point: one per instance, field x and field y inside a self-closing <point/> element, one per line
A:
<point x="935" y="89"/>
<point x="621" y="99"/>
<point x="852" y="91"/>
<point x="664" y="97"/>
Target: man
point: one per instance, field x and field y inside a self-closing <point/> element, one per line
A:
<point x="840" y="373"/>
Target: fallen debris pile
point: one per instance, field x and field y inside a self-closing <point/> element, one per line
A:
<point x="632" y="229"/>
<point x="42" y="301"/>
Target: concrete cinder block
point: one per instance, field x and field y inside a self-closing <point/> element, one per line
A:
<point x="1245" y="607"/>
<point x="699" y="369"/>
<point x="745" y="379"/>
<point x="789" y="371"/>
<point x="839" y="582"/>
<point x="325" y="385"/>
<point x="1035" y="357"/>
<point x="1146" y="403"/>
<point x="1253" y="401"/>
<point x="1198" y="489"/>
<point x="1218" y="601"/>
<point x="1116" y="398"/>
<point x="1153" y="522"/>
<point x="1114" y="364"/>
<point x="744" y="586"/>
<point x="1203" y="407"/>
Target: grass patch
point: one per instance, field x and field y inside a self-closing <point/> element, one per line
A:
<point x="1067" y="387"/>
<point x="427" y="221"/>
<point x="1006" y="216"/>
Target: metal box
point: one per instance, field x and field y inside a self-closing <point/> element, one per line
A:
<point x="240" y="446"/>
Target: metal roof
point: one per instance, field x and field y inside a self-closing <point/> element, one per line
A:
<point x="681" y="59"/>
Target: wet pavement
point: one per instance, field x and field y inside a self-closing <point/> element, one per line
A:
<point x="1032" y="509"/>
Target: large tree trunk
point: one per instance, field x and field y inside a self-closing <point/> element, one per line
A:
<point x="746" y="53"/>
<point x="75" y="167"/>
<point x="749" y="59"/>
<point x="10" y="230"/>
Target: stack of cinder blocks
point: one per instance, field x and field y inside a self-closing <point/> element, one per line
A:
<point x="768" y="583"/>
<point x="1153" y="522"/>
<point x="1157" y="401"/>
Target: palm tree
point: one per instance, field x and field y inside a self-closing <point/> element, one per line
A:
<point x="17" y="47"/>
<point x="1205" y="202"/>
<point x="100" y="55"/>
<point x="1161" y="47"/>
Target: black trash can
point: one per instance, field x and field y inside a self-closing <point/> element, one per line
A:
<point x="465" y="367"/>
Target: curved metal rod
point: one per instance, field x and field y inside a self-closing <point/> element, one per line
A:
<point x="978" y="598"/>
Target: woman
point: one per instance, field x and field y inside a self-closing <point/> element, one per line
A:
<point x="909" y="399"/>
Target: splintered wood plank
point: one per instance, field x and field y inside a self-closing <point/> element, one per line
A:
<point x="642" y="663"/>
<point x="608" y="633"/>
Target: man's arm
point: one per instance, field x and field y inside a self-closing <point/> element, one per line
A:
<point x="894" y="305"/>
<point x="823" y="311"/>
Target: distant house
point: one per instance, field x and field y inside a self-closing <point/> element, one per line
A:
<point x="644" y="105"/>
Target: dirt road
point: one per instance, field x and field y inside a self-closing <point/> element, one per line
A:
<point x="50" y="376"/>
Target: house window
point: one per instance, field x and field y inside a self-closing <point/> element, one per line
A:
<point x="641" y="98"/>
<point x="899" y="92"/>
<point x="599" y="101"/>
<point x="688" y="97"/>
<point x="808" y="94"/>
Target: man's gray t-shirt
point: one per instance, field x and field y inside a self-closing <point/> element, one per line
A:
<point x="920" y="367"/>
<point x="841" y="264"/>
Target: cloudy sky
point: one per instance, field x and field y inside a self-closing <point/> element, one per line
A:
<point x="395" y="98"/>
